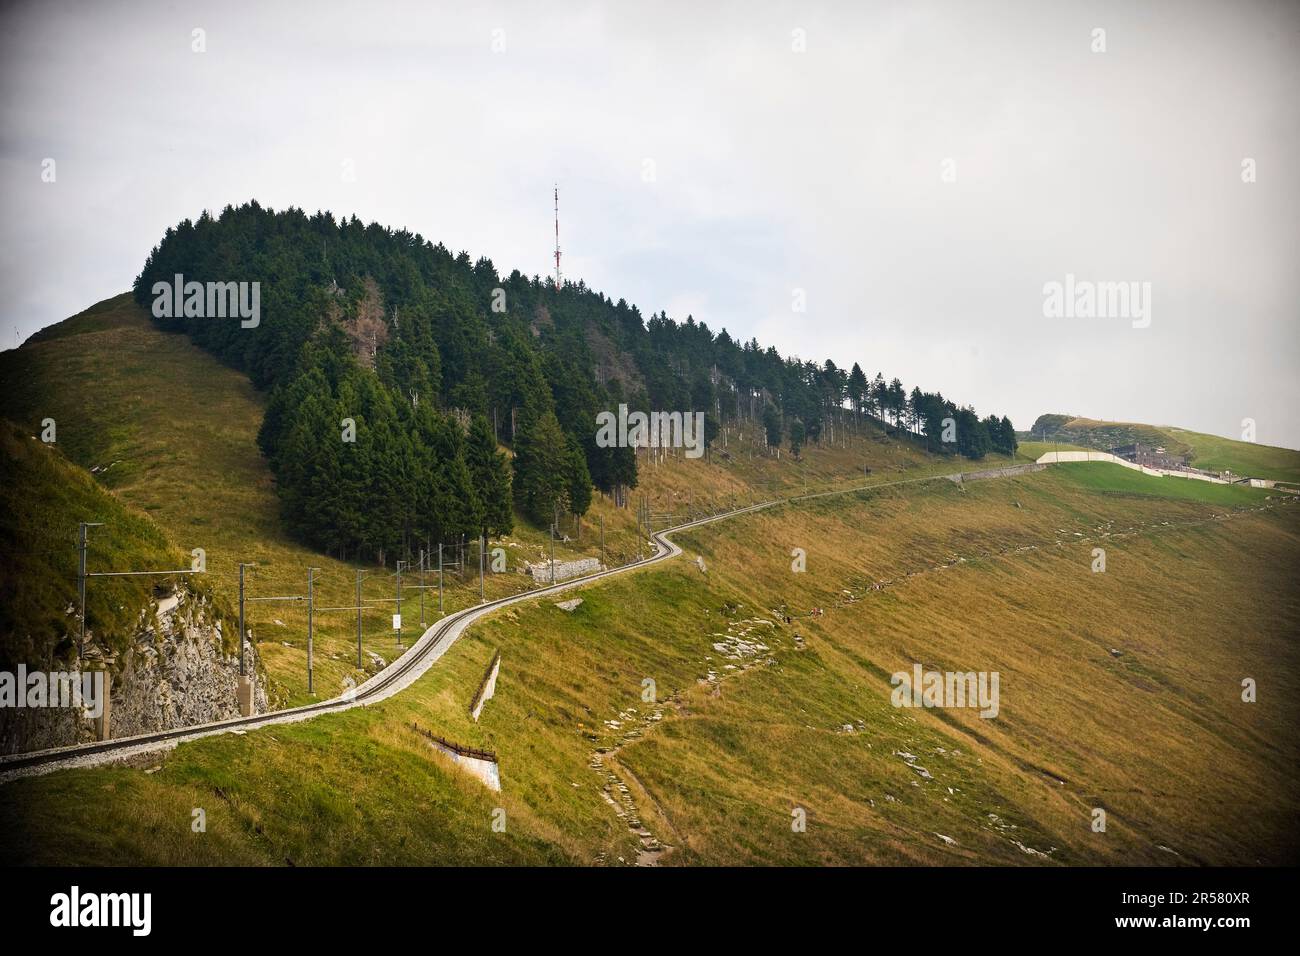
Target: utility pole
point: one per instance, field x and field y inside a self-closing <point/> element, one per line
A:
<point x="242" y="632"/>
<point x="358" y="617"/>
<point x="399" y="602"/>
<point x="552" y="553"/>
<point x="311" y="601"/>
<point x="421" y="587"/>
<point x="81" y="582"/>
<point x="482" y="546"/>
<point x="83" y="574"/>
<point x="602" y="540"/>
<point x="245" y="599"/>
<point x="440" y="579"/>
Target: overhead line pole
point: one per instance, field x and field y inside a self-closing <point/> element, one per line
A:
<point x="242" y="630"/>
<point x="311" y="600"/>
<point x="359" y="575"/>
<point x="81" y="582"/>
<point x="399" y="602"/>
<point x="83" y="574"/>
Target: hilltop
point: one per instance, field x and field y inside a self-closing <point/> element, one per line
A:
<point x="172" y="432"/>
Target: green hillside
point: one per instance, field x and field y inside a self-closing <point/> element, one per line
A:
<point x="1242" y="458"/>
<point x="753" y="717"/>
<point x="1108" y="700"/>
<point x="173" y="433"/>
<point x="43" y="497"/>
<point x="1209" y="452"/>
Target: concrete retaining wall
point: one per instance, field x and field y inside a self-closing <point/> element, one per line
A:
<point x="1057" y="457"/>
<point x="487" y="771"/>
<point x="487" y="687"/>
<point x="480" y="763"/>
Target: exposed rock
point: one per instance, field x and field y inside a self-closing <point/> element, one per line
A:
<point x="175" y="673"/>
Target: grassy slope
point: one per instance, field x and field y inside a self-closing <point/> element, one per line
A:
<point x="173" y="433"/>
<point x="1243" y="458"/>
<point x="169" y="431"/>
<point x="718" y="775"/>
<point x="989" y="577"/>
<point x="43" y="497"/>
<point x="1210" y="452"/>
<point x="1158" y="736"/>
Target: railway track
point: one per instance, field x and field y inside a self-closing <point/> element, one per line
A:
<point x="432" y="644"/>
<point x="422" y="655"/>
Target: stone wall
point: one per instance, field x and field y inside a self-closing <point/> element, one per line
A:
<point x="1007" y="472"/>
<point x="174" y="674"/>
<point x="541" y="571"/>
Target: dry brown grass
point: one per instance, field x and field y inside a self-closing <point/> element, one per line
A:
<point x="995" y="575"/>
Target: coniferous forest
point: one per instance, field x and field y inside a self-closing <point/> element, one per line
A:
<point x="397" y="370"/>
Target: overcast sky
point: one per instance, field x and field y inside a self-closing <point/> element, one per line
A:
<point x="919" y="171"/>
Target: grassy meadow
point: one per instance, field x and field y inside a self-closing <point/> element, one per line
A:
<point x="1119" y="690"/>
<point x="698" y="711"/>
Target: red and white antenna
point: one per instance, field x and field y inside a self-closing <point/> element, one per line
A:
<point x="557" y="235"/>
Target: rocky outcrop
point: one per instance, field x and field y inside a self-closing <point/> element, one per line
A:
<point x="175" y="673"/>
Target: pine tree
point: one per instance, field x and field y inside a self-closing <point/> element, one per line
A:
<point x="542" y="467"/>
<point x="579" y="481"/>
<point x="857" y="388"/>
<point x="490" y="476"/>
<point x="796" y="436"/>
<point x="772" y="425"/>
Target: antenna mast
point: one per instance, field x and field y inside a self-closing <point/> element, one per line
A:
<point x="557" y="235"/>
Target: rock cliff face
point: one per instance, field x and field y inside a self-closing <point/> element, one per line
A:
<point x="174" y="674"/>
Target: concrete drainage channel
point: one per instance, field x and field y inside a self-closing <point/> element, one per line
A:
<point x="408" y="668"/>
